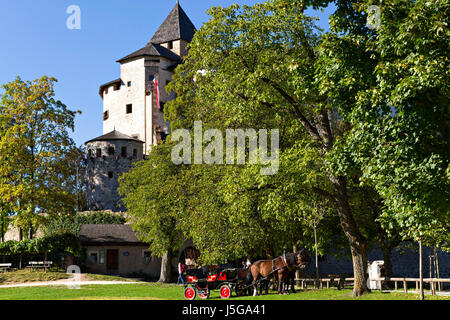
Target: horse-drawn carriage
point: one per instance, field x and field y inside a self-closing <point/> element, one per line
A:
<point x="202" y="281"/>
<point x="244" y="281"/>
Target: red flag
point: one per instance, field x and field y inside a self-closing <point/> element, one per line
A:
<point x="157" y="93"/>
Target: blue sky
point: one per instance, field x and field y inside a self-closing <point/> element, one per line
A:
<point x="35" y="42"/>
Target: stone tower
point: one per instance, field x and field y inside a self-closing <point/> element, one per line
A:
<point x="108" y="157"/>
<point x="130" y="102"/>
<point x="133" y="120"/>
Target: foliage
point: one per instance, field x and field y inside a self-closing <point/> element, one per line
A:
<point x="56" y="244"/>
<point x="398" y="79"/>
<point x="151" y="195"/>
<point x="36" y="151"/>
<point x="100" y="217"/>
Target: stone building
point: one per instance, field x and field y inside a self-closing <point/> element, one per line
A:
<point x="133" y="109"/>
<point x="108" y="157"/>
<point x="130" y="103"/>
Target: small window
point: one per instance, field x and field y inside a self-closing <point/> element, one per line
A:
<point x="101" y="257"/>
<point x="90" y="153"/>
<point x="161" y="106"/>
<point x="99" y="153"/>
<point x="129" y="108"/>
<point x="129" y="83"/>
<point x="117" y="87"/>
<point x="151" y="77"/>
<point x="105" y="115"/>
<point x="110" y="174"/>
<point x="124" y="152"/>
<point x="93" y="257"/>
<point x="135" y="153"/>
<point x="111" y="151"/>
<point x="170" y="45"/>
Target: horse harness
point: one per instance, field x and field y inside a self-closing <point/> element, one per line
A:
<point x="286" y="264"/>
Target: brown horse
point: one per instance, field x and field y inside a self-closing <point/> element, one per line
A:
<point x="279" y="267"/>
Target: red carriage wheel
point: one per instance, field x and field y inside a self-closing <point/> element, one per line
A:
<point x="203" y="293"/>
<point x="189" y="293"/>
<point x="225" y="291"/>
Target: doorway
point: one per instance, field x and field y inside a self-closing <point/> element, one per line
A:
<point x="112" y="262"/>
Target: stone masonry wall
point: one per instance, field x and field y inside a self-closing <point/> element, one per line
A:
<point x="103" y="173"/>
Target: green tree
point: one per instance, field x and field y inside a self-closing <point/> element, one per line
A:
<point x="35" y="151"/>
<point x="260" y="66"/>
<point x="152" y="195"/>
<point x="400" y="114"/>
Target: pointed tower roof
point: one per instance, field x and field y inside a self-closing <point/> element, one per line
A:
<point x="176" y="26"/>
<point x="114" y="135"/>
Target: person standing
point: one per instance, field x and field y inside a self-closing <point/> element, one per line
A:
<point x="180" y="273"/>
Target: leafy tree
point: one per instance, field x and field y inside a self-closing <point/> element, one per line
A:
<point x="152" y="196"/>
<point x="100" y="218"/>
<point x="260" y="66"/>
<point x="399" y="136"/>
<point x="35" y="151"/>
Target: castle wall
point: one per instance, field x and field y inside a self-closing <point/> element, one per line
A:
<point x="146" y="120"/>
<point x="115" y="102"/>
<point x="101" y="190"/>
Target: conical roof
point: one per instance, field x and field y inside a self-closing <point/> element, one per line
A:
<point x="152" y="50"/>
<point x="176" y="26"/>
<point x="114" y="135"/>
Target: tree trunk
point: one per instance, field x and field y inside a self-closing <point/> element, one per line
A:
<point x="297" y="272"/>
<point x="422" y="296"/>
<point x="387" y="259"/>
<point x="2" y="231"/>
<point x="358" y="243"/>
<point x="166" y="268"/>
<point x="436" y="261"/>
<point x="317" y="255"/>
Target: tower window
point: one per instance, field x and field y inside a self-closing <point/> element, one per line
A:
<point x="110" y="174"/>
<point x="105" y="115"/>
<point x="99" y="153"/>
<point x="129" y="83"/>
<point x="129" y="108"/>
<point x="111" y="151"/>
<point x="124" y="152"/>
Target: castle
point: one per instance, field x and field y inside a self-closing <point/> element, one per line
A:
<point x="133" y="110"/>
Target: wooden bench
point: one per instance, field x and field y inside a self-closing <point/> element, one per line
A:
<point x="35" y="265"/>
<point x="4" y="267"/>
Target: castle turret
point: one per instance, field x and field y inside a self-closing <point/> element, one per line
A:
<point x="132" y="104"/>
<point x="109" y="156"/>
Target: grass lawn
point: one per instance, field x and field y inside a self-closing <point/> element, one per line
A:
<point x="25" y="276"/>
<point x="155" y="291"/>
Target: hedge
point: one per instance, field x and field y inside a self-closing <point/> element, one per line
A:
<point x="66" y="242"/>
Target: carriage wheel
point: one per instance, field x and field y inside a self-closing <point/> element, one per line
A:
<point x="204" y="294"/>
<point x="189" y="293"/>
<point x="225" y="291"/>
<point x="241" y="290"/>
